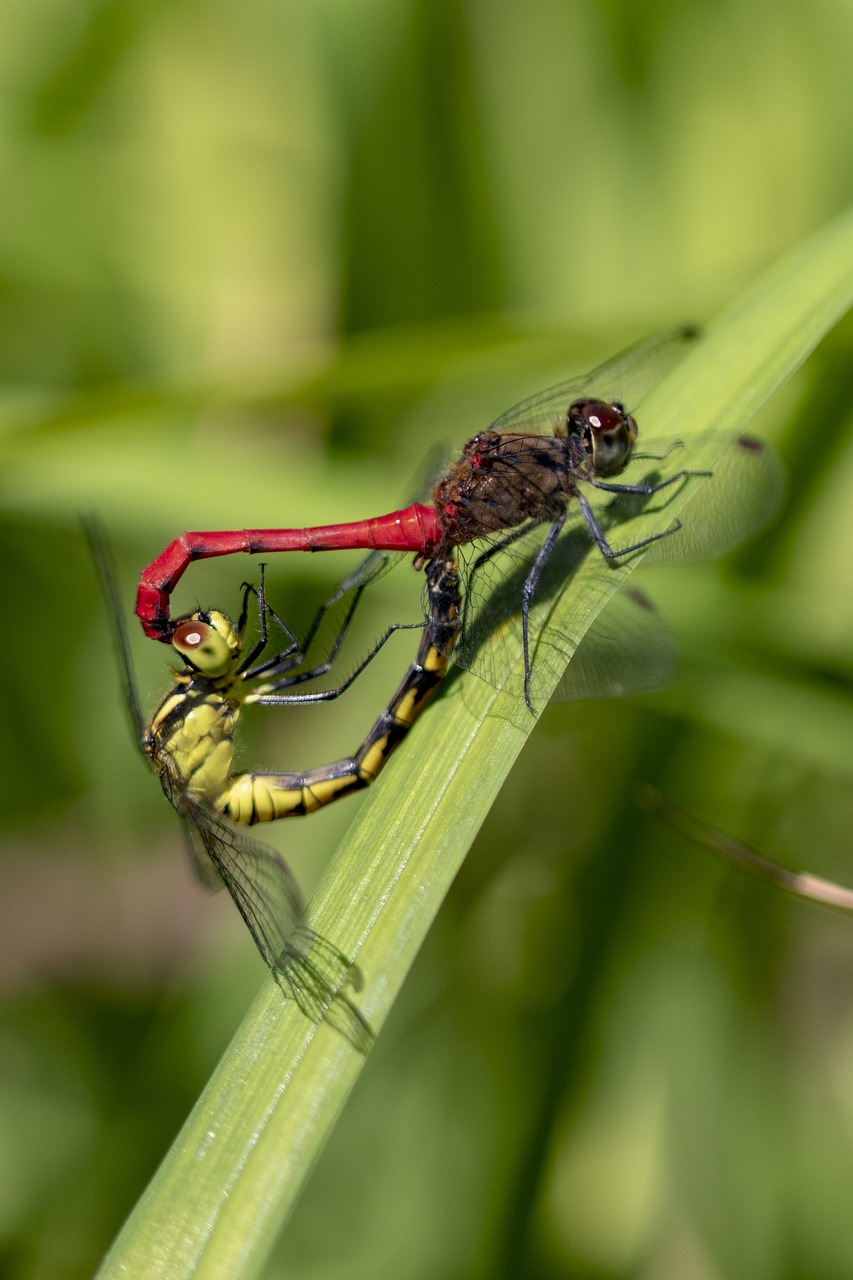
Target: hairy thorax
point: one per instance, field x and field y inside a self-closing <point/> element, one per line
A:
<point x="194" y="737"/>
<point x="502" y="480"/>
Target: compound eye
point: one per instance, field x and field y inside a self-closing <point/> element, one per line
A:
<point x="202" y="647"/>
<point x="604" y="417"/>
<point x="612" y="433"/>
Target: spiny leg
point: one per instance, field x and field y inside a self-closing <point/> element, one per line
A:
<point x="645" y="489"/>
<point x="292" y="654"/>
<point x="369" y="569"/>
<point x="267" y="695"/>
<point x="615" y="553"/>
<point x="659" y="457"/>
<point x="272" y="666"/>
<point x="530" y="585"/>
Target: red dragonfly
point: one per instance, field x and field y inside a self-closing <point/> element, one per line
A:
<point x="524" y="473"/>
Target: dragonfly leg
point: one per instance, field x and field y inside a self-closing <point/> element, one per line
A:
<point x="646" y="489"/>
<point x="367" y="572"/>
<point x="530" y="585"/>
<point x="614" y="553"/>
<point x="293" y="656"/>
<point x="658" y="457"/>
<point x="290" y="656"/>
<point x="268" y="695"/>
<point x="356" y="583"/>
<point x="263" y="797"/>
<point x="248" y="590"/>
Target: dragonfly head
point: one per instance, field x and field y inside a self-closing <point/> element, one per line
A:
<point x="208" y="643"/>
<point x="608" y="431"/>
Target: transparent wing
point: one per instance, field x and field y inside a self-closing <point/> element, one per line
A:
<point x="308" y="967"/>
<point x="743" y="494"/>
<point x="312" y="972"/>
<point x="102" y="559"/>
<point x="627" y="377"/>
<point x="205" y="870"/>
<point x="628" y="649"/>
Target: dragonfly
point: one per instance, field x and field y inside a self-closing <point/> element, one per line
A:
<point x="189" y="744"/>
<point x="526" y="472"/>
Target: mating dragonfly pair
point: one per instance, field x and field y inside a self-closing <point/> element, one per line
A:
<point x="496" y="515"/>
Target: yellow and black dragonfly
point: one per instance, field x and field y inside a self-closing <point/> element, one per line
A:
<point x="189" y="743"/>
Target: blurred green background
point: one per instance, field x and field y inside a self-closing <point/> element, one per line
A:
<point x="256" y="262"/>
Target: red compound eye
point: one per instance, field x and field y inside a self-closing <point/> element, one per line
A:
<point x="603" y="417"/>
<point x="202" y="647"/>
<point x="191" y="635"/>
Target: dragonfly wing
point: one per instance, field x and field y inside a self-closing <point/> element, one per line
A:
<point x="260" y="882"/>
<point x="315" y="974"/>
<point x="203" y="866"/>
<point x="310" y="969"/>
<point x="744" y="492"/>
<point x="374" y="566"/>
<point x="99" y="549"/>
<point x="628" y="649"/>
<point x="628" y="378"/>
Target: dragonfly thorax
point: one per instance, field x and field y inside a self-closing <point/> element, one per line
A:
<point x="502" y="479"/>
<point x="192" y="737"/>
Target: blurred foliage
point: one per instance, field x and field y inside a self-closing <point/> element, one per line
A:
<point x="255" y="262"/>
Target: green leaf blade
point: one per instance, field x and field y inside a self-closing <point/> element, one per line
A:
<point x="222" y="1194"/>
